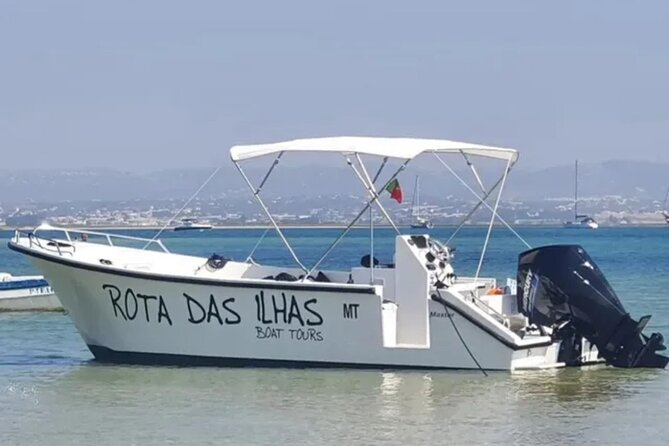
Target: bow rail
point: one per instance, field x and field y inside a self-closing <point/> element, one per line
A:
<point x="66" y="245"/>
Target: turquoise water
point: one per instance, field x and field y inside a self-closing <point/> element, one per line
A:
<point x="52" y="393"/>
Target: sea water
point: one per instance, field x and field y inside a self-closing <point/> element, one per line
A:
<point x="52" y="392"/>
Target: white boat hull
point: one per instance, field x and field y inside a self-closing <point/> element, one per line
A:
<point x="143" y="318"/>
<point x="29" y="299"/>
<point x="578" y="225"/>
<point x="47" y="302"/>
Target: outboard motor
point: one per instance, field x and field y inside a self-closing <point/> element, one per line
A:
<point x="561" y="287"/>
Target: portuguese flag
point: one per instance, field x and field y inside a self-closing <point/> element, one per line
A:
<point x="395" y="191"/>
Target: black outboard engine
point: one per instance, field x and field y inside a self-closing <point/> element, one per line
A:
<point x="561" y="287"/>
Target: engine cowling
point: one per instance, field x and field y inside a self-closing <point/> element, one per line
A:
<point x="561" y="287"/>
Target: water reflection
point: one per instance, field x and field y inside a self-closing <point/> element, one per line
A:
<point x="270" y="406"/>
<point x="590" y="385"/>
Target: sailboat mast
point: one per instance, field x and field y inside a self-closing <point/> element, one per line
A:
<point x="417" y="196"/>
<point x="576" y="190"/>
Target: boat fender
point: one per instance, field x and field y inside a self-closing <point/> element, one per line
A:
<point x="495" y="291"/>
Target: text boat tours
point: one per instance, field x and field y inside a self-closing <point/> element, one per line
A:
<point x="147" y="305"/>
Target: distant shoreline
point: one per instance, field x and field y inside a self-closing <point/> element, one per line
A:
<point x="310" y="227"/>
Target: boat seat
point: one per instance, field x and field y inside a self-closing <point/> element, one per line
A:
<point x="365" y="262"/>
<point x="286" y="277"/>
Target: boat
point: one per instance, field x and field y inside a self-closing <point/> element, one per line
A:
<point x="665" y="211"/>
<point x="419" y="222"/>
<point x="581" y="221"/>
<point x="133" y="301"/>
<point x="27" y="293"/>
<point x="191" y="224"/>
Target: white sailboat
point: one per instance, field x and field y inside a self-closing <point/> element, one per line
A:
<point x="419" y="222"/>
<point x="191" y="224"/>
<point x="147" y="305"/>
<point x="581" y="221"/>
<point x="665" y="211"/>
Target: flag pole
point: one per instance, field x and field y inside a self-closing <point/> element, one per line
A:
<point x="371" y="245"/>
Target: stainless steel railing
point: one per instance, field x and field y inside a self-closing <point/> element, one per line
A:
<point x="66" y="246"/>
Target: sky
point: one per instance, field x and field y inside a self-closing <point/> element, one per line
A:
<point x="148" y="85"/>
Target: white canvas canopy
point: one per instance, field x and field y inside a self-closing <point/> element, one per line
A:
<point x="402" y="148"/>
<point x="352" y="147"/>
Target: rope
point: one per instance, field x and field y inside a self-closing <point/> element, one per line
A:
<point x="262" y="237"/>
<point x="442" y="301"/>
<point x="169" y="222"/>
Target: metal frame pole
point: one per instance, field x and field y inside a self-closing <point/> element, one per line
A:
<point x="499" y="217"/>
<point x="474" y="209"/>
<point x="334" y="244"/>
<point x="471" y="166"/>
<point x="373" y="194"/>
<point x="271" y="219"/>
<point x="492" y="220"/>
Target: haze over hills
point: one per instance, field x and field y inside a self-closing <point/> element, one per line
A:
<point x="628" y="179"/>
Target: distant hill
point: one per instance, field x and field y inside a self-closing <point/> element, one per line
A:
<point x="638" y="179"/>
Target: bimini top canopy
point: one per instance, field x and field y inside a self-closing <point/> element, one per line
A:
<point x="403" y="148"/>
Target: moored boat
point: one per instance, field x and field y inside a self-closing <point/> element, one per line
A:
<point x="665" y="211"/>
<point x="148" y="305"/>
<point x="27" y="293"/>
<point x="419" y="222"/>
<point x="191" y="224"/>
<point x="580" y="221"/>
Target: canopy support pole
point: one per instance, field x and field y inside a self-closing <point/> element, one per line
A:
<point x="471" y="166"/>
<point x="371" y="245"/>
<point x="271" y="168"/>
<point x="499" y="217"/>
<point x="474" y="209"/>
<point x="367" y="182"/>
<point x="371" y="215"/>
<point x="492" y="220"/>
<point x="269" y="215"/>
<point x="334" y="244"/>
